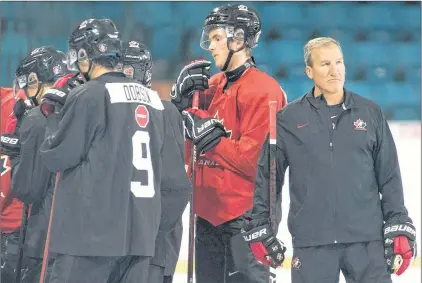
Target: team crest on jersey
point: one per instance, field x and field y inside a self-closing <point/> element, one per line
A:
<point x="359" y="125"/>
<point x="216" y="116"/>
<point x="142" y="116"/>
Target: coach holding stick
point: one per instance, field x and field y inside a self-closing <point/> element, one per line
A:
<point x="347" y="209"/>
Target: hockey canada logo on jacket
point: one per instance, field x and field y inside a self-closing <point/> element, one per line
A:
<point x="296" y="263"/>
<point x="359" y="125"/>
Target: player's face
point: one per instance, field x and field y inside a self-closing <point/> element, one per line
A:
<point x="32" y="85"/>
<point x="327" y="70"/>
<point x="218" y="46"/>
<point x="32" y="91"/>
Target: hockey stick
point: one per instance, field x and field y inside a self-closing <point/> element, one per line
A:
<point x="195" y="105"/>
<point x="47" y="240"/>
<point x="22" y="236"/>
<point x="273" y="172"/>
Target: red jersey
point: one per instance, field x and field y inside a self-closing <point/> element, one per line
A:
<point x="225" y="174"/>
<point x="11" y="208"/>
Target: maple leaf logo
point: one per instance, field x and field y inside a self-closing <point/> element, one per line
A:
<point x="359" y="125"/>
<point x="216" y="116"/>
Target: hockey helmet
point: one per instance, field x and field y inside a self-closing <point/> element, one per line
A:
<point x="137" y="62"/>
<point x="239" y="21"/>
<point x="44" y="65"/>
<point x="92" y="39"/>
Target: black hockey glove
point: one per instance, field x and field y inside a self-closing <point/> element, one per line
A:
<point x="192" y="77"/>
<point x="55" y="97"/>
<point x="204" y="131"/>
<point x="266" y="248"/>
<point x="20" y="109"/>
<point x="399" y="244"/>
<point x="53" y="100"/>
<point x="70" y="81"/>
<point x="10" y="144"/>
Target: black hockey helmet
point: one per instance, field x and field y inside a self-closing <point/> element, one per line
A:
<point x="233" y="17"/>
<point x="240" y="22"/>
<point x="92" y="39"/>
<point x="44" y="65"/>
<point x="137" y="62"/>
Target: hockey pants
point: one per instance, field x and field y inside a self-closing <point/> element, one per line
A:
<point x="222" y="256"/>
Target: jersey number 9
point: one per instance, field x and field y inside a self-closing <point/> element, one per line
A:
<point x="142" y="162"/>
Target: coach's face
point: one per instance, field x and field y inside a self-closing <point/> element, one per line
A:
<point x="327" y="70"/>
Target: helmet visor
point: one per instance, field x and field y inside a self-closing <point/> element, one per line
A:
<point x="73" y="57"/>
<point x="72" y="60"/>
<point x="25" y="84"/>
<point x="215" y="35"/>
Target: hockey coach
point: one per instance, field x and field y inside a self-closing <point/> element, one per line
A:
<point x="347" y="209"/>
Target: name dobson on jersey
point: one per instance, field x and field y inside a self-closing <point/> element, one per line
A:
<point x="133" y="93"/>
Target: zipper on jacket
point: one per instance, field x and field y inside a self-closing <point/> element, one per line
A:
<point x="332" y="129"/>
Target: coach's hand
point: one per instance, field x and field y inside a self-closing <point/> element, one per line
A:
<point x="399" y="245"/>
<point x="266" y="248"/>
<point x="193" y="77"/>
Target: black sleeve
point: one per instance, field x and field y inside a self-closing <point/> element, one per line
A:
<point x="175" y="186"/>
<point x="261" y="198"/>
<point x="30" y="176"/>
<point x="387" y="171"/>
<point x="68" y="140"/>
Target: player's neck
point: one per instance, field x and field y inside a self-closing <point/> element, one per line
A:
<point x="98" y="71"/>
<point x="43" y="90"/>
<point x="237" y="61"/>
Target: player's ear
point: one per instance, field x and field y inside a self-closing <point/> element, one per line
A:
<point x="238" y="39"/>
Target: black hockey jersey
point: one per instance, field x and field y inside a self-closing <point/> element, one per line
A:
<point x="175" y="189"/>
<point x="108" y="148"/>
<point x="32" y="182"/>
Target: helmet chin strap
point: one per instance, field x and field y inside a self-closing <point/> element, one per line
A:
<point x="33" y="99"/>
<point x="85" y="74"/>
<point x="230" y="55"/>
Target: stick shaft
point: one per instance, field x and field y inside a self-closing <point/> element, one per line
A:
<point x="191" y="251"/>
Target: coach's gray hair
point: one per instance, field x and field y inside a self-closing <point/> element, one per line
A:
<point x="316" y="43"/>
